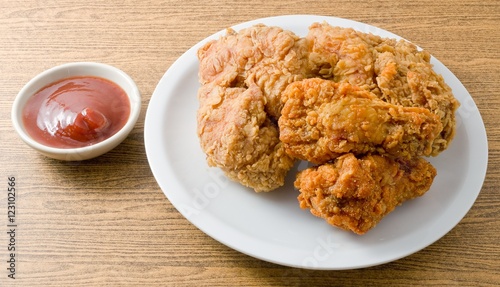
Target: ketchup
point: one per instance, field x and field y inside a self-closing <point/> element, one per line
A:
<point x="76" y="112"/>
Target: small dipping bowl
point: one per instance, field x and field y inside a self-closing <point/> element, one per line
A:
<point x="78" y="69"/>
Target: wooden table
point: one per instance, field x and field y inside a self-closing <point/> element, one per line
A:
<point x="106" y="221"/>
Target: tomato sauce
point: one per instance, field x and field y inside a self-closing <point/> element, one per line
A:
<point x="76" y="112"/>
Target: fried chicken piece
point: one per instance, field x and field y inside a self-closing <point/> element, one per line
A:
<point x="243" y="75"/>
<point x="322" y="120"/>
<point x="269" y="57"/>
<point x="339" y="54"/>
<point x="395" y="71"/>
<point x="237" y="136"/>
<point x="355" y="194"/>
<point x="406" y="77"/>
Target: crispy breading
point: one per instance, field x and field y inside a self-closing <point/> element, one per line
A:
<point x="237" y="136"/>
<point x="394" y="70"/>
<point x="270" y="57"/>
<point x="355" y="194"/>
<point x="406" y="77"/>
<point x="243" y="75"/>
<point x="340" y="55"/>
<point x="322" y="120"/>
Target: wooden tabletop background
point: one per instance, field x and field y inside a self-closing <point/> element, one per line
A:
<point x="106" y="222"/>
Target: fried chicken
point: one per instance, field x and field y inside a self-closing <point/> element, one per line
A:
<point x="243" y="75"/>
<point x="269" y="97"/>
<point x="355" y="194"/>
<point x="269" y="57"/>
<point x="396" y="71"/>
<point x="237" y="136"/>
<point x="406" y="77"/>
<point x="322" y="120"/>
<point x="340" y="55"/>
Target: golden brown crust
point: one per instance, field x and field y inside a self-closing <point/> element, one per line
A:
<point x="395" y="71"/>
<point x="322" y="120"/>
<point x="355" y="194"/>
<point x="340" y="55"/>
<point x="243" y="75"/>
<point x="268" y="57"/>
<point x="237" y="136"/>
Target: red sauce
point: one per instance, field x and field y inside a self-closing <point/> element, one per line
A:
<point x="76" y="112"/>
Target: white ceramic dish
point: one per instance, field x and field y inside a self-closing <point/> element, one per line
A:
<point x="271" y="226"/>
<point x="71" y="70"/>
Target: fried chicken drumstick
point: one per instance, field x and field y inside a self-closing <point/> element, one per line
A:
<point x="355" y="194"/>
<point x="322" y="120"/>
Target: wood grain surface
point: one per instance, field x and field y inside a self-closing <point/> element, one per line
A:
<point x="105" y="222"/>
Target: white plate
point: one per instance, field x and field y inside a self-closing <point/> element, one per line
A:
<point x="271" y="226"/>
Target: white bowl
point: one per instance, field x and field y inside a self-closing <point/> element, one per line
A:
<point x="72" y="70"/>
